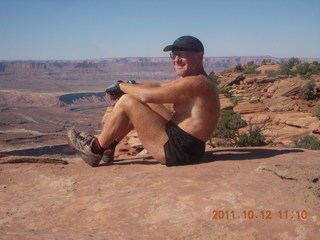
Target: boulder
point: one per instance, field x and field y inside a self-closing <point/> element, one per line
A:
<point x="300" y="120"/>
<point x="288" y="87"/>
<point x="257" y="119"/>
<point x="246" y="107"/>
<point x="280" y="104"/>
<point x="230" y="78"/>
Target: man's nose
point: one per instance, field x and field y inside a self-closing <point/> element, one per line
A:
<point x="176" y="58"/>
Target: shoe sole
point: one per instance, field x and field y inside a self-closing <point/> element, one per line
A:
<point x="84" y="157"/>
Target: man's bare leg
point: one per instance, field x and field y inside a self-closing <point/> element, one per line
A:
<point x="159" y="108"/>
<point x="149" y="124"/>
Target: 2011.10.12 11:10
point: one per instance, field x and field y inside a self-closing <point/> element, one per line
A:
<point x="262" y="214"/>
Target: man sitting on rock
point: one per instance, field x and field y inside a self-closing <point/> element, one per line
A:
<point x="173" y="139"/>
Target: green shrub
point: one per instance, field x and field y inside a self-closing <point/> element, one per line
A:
<point x="250" y="68"/>
<point x="286" y="67"/>
<point x="228" y="125"/>
<point x="308" y="142"/>
<point x="284" y="70"/>
<point x="271" y="73"/>
<point x="292" y="62"/>
<point x="236" y="99"/>
<point x="315" y="67"/>
<point x="266" y="61"/>
<point x="225" y="91"/>
<point x="214" y="77"/>
<point x="238" y="68"/>
<point x="309" y="103"/>
<point x="307" y="92"/>
<point x="255" y="137"/>
<point x="304" y="69"/>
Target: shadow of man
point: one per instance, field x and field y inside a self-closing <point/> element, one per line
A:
<point x="238" y="154"/>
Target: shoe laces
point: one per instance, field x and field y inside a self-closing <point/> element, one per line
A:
<point x="86" y="139"/>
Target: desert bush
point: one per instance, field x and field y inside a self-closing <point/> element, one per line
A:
<point x="214" y="77"/>
<point x="308" y="142"/>
<point x="304" y="69"/>
<point x="271" y="73"/>
<point x="228" y="129"/>
<point x="251" y="71"/>
<point x="315" y="67"/>
<point x="225" y="91"/>
<point x="309" y="103"/>
<point x="236" y="99"/>
<point x="284" y="70"/>
<point x="238" y="68"/>
<point x="266" y="61"/>
<point x="292" y="62"/>
<point x="255" y="137"/>
<point x="307" y="92"/>
<point x="307" y="69"/>
<point x="250" y="68"/>
<point x="286" y="67"/>
<point x="229" y="124"/>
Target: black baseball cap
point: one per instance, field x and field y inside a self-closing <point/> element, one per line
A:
<point x="185" y="43"/>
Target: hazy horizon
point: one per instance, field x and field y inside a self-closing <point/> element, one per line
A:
<point x="106" y="58"/>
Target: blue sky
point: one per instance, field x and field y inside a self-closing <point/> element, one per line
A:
<point x="92" y="29"/>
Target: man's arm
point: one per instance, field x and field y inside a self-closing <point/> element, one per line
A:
<point x="177" y="91"/>
<point x="114" y="92"/>
<point x="150" y="84"/>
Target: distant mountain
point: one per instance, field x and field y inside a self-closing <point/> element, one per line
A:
<point x="131" y="64"/>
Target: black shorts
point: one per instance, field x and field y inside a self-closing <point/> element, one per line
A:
<point x="182" y="148"/>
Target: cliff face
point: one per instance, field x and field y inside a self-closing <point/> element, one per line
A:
<point x="22" y="66"/>
<point x="216" y="64"/>
<point x="23" y="98"/>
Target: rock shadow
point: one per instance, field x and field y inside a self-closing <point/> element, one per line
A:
<point x="39" y="151"/>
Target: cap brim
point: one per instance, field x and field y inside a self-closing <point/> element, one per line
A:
<point x="168" y="48"/>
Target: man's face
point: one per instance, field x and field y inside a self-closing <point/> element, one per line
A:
<point x="186" y="63"/>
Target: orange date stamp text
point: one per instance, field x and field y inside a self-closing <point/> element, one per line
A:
<point x="259" y="214"/>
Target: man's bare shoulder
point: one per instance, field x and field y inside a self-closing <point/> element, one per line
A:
<point x="197" y="81"/>
<point x="193" y="79"/>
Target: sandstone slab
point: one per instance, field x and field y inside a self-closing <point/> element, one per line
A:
<point x="234" y="193"/>
<point x="280" y="104"/>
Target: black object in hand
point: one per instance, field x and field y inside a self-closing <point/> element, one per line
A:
<point x="115" y="90"/>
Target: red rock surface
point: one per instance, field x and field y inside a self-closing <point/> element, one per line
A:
<point x="137" y="198"/>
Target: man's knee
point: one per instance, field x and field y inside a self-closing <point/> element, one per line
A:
<point x="126" y="100"/>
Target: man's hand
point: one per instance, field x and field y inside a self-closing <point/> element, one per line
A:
<point x="114" y="90"/>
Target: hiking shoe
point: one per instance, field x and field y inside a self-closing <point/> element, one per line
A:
<point x="107" y="156"/>
<point x="81" y="143"/>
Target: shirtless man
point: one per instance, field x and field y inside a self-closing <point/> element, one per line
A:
<point x="172" y="139"/>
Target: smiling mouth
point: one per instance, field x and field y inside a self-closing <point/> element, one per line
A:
<point x="179" y="65"/>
